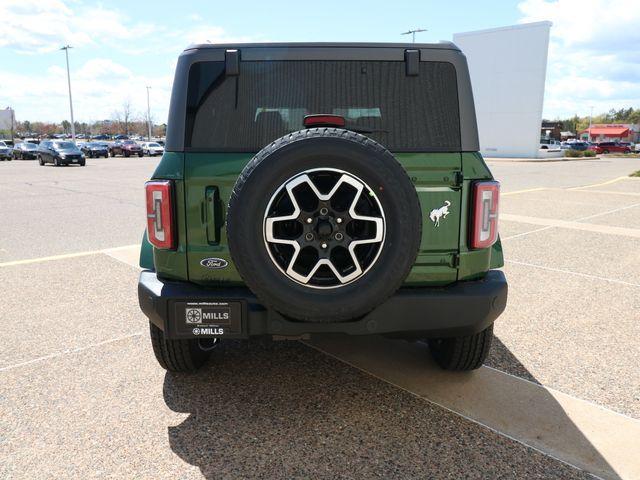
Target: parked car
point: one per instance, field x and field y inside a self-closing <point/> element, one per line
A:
<point x="580" y="146"/>
<point x="102" y="136"/>
<point x="324" y="230"/>
<point x="152" y="148"/>
<point x="126" y="148"/>
<point x="6" y="152"/>
<point x="610" y="147"/>
<point x="121" y="137"/>
<point x="25" y="151"/>
<point x="95" y="149"/>
<point x="637" y="147"/>
<point x="60" y="152"/>
<point x="549" y="144"/>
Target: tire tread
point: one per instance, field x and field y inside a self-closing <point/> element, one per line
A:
<point x="175" y="355"/>
<point x="462" y="353"/>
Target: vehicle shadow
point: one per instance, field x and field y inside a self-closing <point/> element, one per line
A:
<point x="283" y="410"/>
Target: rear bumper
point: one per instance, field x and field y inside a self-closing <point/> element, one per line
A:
<point x="460" y="309"/>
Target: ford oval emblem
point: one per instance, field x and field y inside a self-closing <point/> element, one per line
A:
<point x="214" y="263"/>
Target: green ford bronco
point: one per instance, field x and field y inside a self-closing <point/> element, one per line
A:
<point x="322" y="188"/>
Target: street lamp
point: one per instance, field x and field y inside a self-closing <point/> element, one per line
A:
<point x="413" y="33"/>
<point x="148" y="114"/>
<point x="73" y="127"/>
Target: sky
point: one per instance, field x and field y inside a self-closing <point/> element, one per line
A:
<point x="120" y="47"/>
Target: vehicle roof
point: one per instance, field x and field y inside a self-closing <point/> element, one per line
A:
<point x="443" y="45"/>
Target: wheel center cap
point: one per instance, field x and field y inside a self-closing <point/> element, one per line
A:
<point x="324" y="229"/>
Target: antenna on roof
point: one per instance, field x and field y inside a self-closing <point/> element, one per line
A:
<point x="413" y="32"/>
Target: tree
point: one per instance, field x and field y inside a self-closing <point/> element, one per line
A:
<point x="126" y="114"/>
<point x="66" y="125"/>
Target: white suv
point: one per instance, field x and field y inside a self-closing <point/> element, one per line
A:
<point x="152" y="148"/>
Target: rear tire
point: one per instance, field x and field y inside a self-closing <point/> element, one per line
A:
<point x="40" y="161"/>
<point x="462" y="353"/>
<point x="177" y="355"/>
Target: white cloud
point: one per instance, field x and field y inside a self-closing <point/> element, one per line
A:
<point x="38" y="26"/>
<point x="100" y="87"/>
<point x="593" y="54"/>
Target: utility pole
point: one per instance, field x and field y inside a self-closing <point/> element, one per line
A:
<point x="413" y="33"/>
<point x="13" y="119"/>
<point x="590" y="117"/>
<point x="73" y="127"/>
<point x="148" y="114"/>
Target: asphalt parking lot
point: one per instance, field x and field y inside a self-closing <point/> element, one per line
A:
<point x="81" y="395"/>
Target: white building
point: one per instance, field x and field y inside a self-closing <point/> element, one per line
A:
<point x="508" y="67"/>
<point x="7" y="119"/>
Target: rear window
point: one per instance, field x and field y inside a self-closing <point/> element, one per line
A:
<point x="269" y="99"/>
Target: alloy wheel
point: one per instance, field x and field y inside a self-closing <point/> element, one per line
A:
<point x="324" y="228"/>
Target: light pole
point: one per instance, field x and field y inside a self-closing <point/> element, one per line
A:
<point x="590" y="117"/>
<point x="148" y="114"/>
<point x="413" y="33"/>
<point x="73" y="127"/>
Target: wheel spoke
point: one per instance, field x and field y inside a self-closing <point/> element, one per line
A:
<point x="271" y="221"/>
<point x="323" y="243"/>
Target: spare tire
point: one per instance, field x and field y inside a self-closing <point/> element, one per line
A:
<point x="323" y="225"/>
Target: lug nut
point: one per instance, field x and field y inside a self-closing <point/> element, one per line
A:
<point x="338" y="220"/>
<point x="339" y="236"/>
<point x="309" y="220"/>
<point x="308" y="237"/>
<point x="324" y="211"/>
<point x="324" y="245"/>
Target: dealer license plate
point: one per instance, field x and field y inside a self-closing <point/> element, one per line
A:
<point x="208" y="319"/>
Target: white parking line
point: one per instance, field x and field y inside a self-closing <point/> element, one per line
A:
<point x="608" y="182"/>
<point x="65" y="256"/>
<point x="610" y="192"/>
<point x="525" y="233"/>
<point x="515" y="192"/>
<point x="574" y="225"/>
<point x="596" y="215"/>
<point x="68" y="351"/>
<point x="574" y="431"/>
<point x="571" y="272"/>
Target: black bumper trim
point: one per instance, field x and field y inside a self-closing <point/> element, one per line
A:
<point x="460" y="309"/>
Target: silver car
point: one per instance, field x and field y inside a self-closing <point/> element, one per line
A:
<point x="6" y="152"/>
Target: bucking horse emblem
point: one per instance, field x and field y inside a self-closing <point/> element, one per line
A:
<point x="438" y="213"/>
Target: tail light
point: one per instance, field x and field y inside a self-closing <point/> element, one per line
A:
<point x="323" y="121"/>
<point x="160" y="222"/>
<point x="484" y="230"/>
